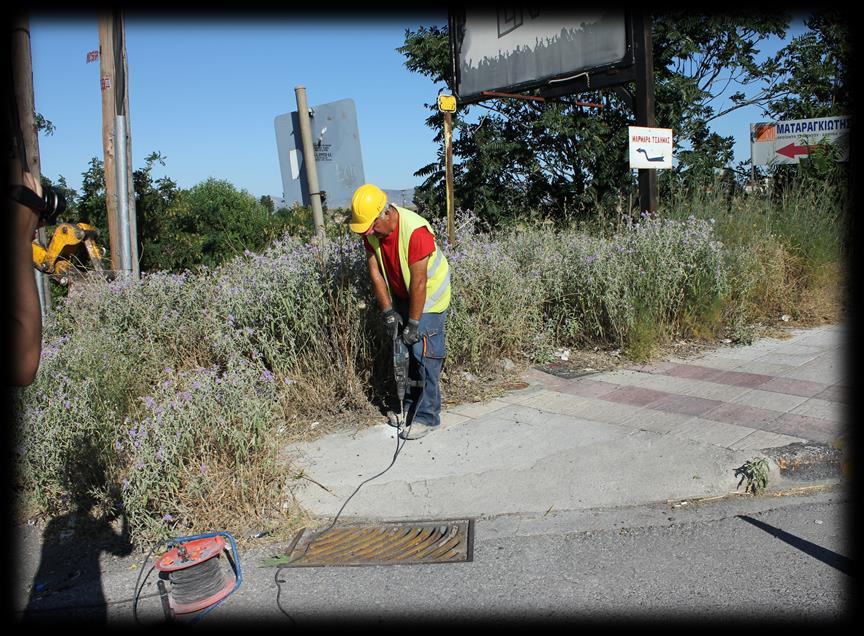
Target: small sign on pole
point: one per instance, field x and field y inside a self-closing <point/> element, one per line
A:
<point x="650" y="148"/>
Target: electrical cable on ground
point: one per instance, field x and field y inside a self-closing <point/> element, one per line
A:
<point x="43" y="610"/>
<point x="138" y="580"/>
<point x="317" y="535"/>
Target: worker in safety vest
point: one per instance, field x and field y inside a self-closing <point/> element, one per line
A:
<point x="411" y="280"/>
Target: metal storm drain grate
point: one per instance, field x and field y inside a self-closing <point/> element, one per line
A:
<point x="384" y="544"/>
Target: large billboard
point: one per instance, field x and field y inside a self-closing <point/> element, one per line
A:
<point x="514" y="50"/>
<point x="336" y="140"/>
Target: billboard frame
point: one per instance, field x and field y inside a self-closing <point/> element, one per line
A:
<point x="589" y="78"/>
<point x="636" y="66"/>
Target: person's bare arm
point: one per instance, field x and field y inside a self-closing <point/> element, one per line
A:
<point x="26" y="314"/>
<point x="417" y="291"/>
<point x="379" y="285"/>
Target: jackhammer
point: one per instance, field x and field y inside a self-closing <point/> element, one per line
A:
<point x="401" y="362"/>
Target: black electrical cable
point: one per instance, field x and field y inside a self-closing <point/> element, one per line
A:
<point x="138" y="580"/>
<point x="276" y="578"/>
<point x="43" y="610"/>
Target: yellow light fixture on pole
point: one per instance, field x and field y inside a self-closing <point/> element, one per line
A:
<point x="447" y="105"/>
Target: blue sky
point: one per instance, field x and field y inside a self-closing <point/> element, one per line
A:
<point x="205" y="94"/>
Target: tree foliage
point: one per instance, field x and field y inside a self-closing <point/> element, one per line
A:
<point x="562" y="158"/>
<point x="153" y="200"/>
<point x="209" y="223"/>
<point x="814" y="82"/>
<point x="815" y="70"/>
<point x="177" y="228"/>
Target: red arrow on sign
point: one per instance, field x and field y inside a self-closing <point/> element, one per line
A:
<point x="791" y="150"/>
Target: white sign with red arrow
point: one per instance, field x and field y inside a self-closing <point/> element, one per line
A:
<point x="779" y="142"/>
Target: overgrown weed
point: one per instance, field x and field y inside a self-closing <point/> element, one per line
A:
<point x="170" y="397"/>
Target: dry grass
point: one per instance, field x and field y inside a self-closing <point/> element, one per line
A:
<point x="825" y="300"/>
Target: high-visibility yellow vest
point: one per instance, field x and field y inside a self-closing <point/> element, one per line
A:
<point x="437" y="271"/>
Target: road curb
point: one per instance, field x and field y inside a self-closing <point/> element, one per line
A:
<point x="805" y="462"/>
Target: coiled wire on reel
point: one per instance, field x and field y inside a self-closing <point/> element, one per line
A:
<point x="201" y="573"/>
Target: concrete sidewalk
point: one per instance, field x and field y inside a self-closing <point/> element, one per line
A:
<point x="671" y="430"/>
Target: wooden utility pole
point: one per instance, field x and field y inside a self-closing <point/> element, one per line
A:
<point x="643" y="52"/>
<point x="22" y="74"/>
<point x="113" y="74"/>
<point x="448" y="141"/>
<point x="447" y="105"/>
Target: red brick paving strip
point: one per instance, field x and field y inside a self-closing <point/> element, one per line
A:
<point x="635" y="395"/>
<point x="791" y="386"/>
<point x="685" y="404"/>
<point x="813" y="428"/>
<point x="742" y="414"/>
<point x="835" y="393"/>
<point x="738" y="378"/>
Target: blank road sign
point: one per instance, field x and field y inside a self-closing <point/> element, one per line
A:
<point x="338" y="158"/>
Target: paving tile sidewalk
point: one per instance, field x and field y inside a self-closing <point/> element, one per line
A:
<point x="801" y="396"/>
<point x="638" y="434"/>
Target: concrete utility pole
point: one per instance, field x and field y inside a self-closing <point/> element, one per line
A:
<point x="309" y="161"/>
<point x="116" y="141"/>
<point x="22" y="71"/>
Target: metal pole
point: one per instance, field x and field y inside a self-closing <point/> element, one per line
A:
<point x="309" y="161"/>
<point x="448" y="154"/>
<point x="122" y="194"/>
<point x="121" y="96"/>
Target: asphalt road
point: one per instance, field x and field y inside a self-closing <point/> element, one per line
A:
<point x="776" y="559"/>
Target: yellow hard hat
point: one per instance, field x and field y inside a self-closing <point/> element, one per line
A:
<point x="366" y="204"/>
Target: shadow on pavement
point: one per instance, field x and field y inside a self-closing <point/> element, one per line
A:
<point x="828" y="557"/>
<point x="68" y="583"/>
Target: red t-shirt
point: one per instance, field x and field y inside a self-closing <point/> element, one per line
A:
<point x="422" y="244"/>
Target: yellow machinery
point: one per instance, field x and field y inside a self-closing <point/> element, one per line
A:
<point x="58" y="259"/>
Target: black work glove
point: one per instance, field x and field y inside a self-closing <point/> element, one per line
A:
<point x="411" y="333"/>
<point x="392" y="321"/>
